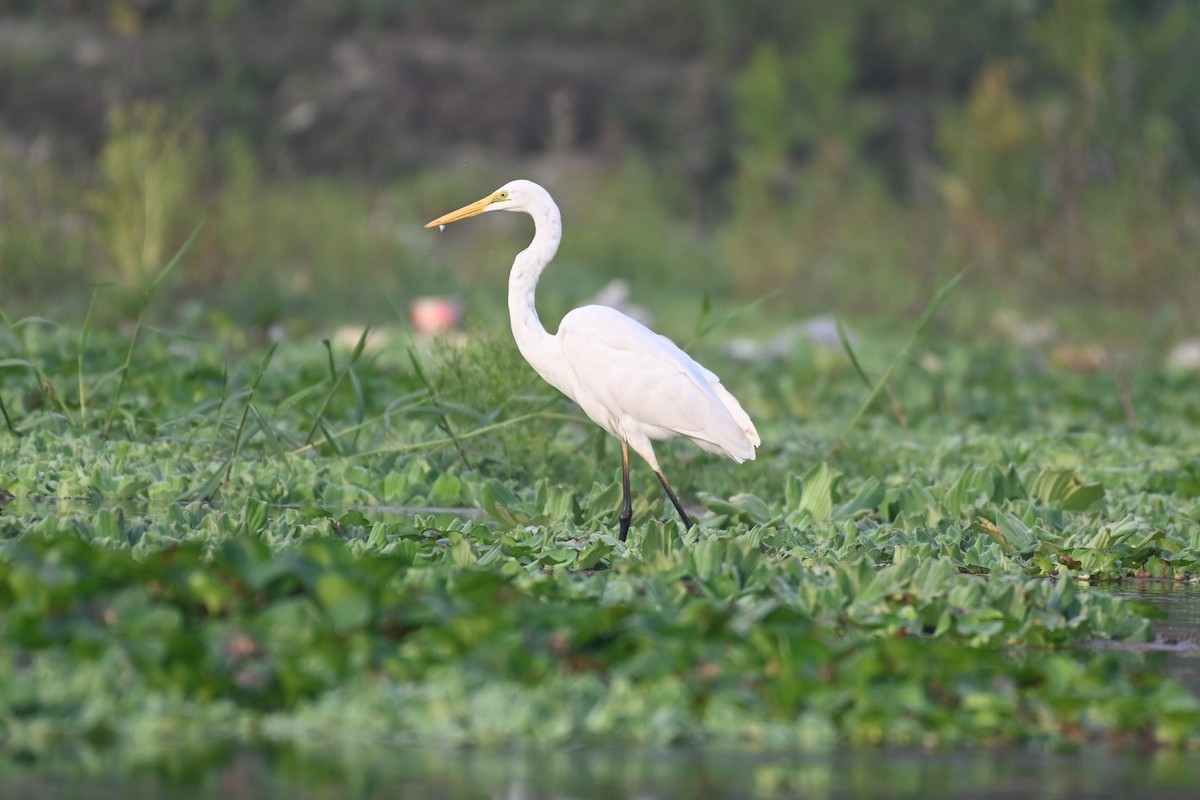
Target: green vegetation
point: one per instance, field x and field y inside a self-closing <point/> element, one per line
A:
<point x="219" y="529"/>
<point x="331" y="548"/>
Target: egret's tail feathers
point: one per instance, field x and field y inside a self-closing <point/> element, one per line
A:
<point x="739" y="416"/>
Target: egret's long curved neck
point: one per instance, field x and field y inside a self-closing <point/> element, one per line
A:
<point x="532" y="338"/>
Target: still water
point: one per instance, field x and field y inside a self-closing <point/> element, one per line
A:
<point x="650" y="776"/>
<point x="678" y="773"/>
<point x="1177" y="636"/>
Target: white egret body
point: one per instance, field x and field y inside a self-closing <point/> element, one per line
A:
<point x="632" y="382"/>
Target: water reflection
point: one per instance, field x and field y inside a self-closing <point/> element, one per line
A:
<point x="672" y="774"/>
<point x="1179" y="632"/>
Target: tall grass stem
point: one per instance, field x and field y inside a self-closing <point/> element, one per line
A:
<point x="882" y="383"/>
<point x="151" y="289"/>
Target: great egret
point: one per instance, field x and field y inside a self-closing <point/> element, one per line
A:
<point x="632" y="382"/>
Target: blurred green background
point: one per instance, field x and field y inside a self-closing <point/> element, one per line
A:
<point x="843" y="158"/>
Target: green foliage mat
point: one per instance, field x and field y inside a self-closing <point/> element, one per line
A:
<point x="337" y="549"/>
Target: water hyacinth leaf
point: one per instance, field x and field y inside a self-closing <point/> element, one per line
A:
<point x="933" y="577"/>
<point x="867" y="499"/>
<point x="1052" y="485"/>
<point x="1064" y="486"/>
<point x="353" y="518"/>
<point x="974" y="483"/>
<point x="1083" y="496"/>
<point x="817" y="496"/>
<point x="1016" y="533"/>
<point x="405" y="552"/>
<point x="501" y="504"/>
<point x="1152" y="539"/>
<point x="130" y="486"/>
<point x="981" y="625"/>
<point x="743" y="559"/>
<point x="604" y="496"/>
<point x="254" y="515"/>
<point x="446" y="490"/>
<point x="461" y="554"/>
<point x="395" y="488"/>
<point x="594" y="554"/>
<point x="558" y="502"/>
<point x="345" y="602"/>
<point x="1007" y="484"/>
<point x="719" y="505"/>
<point x="913" y="501"/>
<point x="314" y="512"/>
<point x="749" y="507"/>
<point x="704" y="560"/>
<point x="657" y="546"/>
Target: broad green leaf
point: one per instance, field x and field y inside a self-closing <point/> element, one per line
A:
<point x="346" y="603"/>
<point x="817" y="497"/>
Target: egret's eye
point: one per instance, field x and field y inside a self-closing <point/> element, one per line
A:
<point x="502" y="195"/>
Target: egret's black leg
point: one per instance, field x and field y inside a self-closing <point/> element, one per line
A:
<point x="687" y="521"/>
<point x="627" y="505"/>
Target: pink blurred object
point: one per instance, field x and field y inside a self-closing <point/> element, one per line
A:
<point x="434" y="315"/>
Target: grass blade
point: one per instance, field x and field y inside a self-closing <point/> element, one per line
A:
<point x="879" y="387"/>
<point x="47" y="387"/>
<point x="246" y="409"/>
<point x="457" y="438"/>
<point x="409" y="403"/>
<point x="443" y="420"/>
<point x="8" y="420"/>
<point x="336" y="377"/>
<point x="215" y="481"/>
<point x="845" y="340"/>
<point x="83" y="337"/>
<point x="137" y="328"/>
<point x="705" y="326"/>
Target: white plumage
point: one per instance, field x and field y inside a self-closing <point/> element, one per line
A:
<point x="632" y="382"/>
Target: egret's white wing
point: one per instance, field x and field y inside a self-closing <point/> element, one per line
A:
<point x="626" y="373"/>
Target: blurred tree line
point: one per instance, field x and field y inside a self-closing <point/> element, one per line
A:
<point x="1060" y="133"/>
<point x="874" y="75"/>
